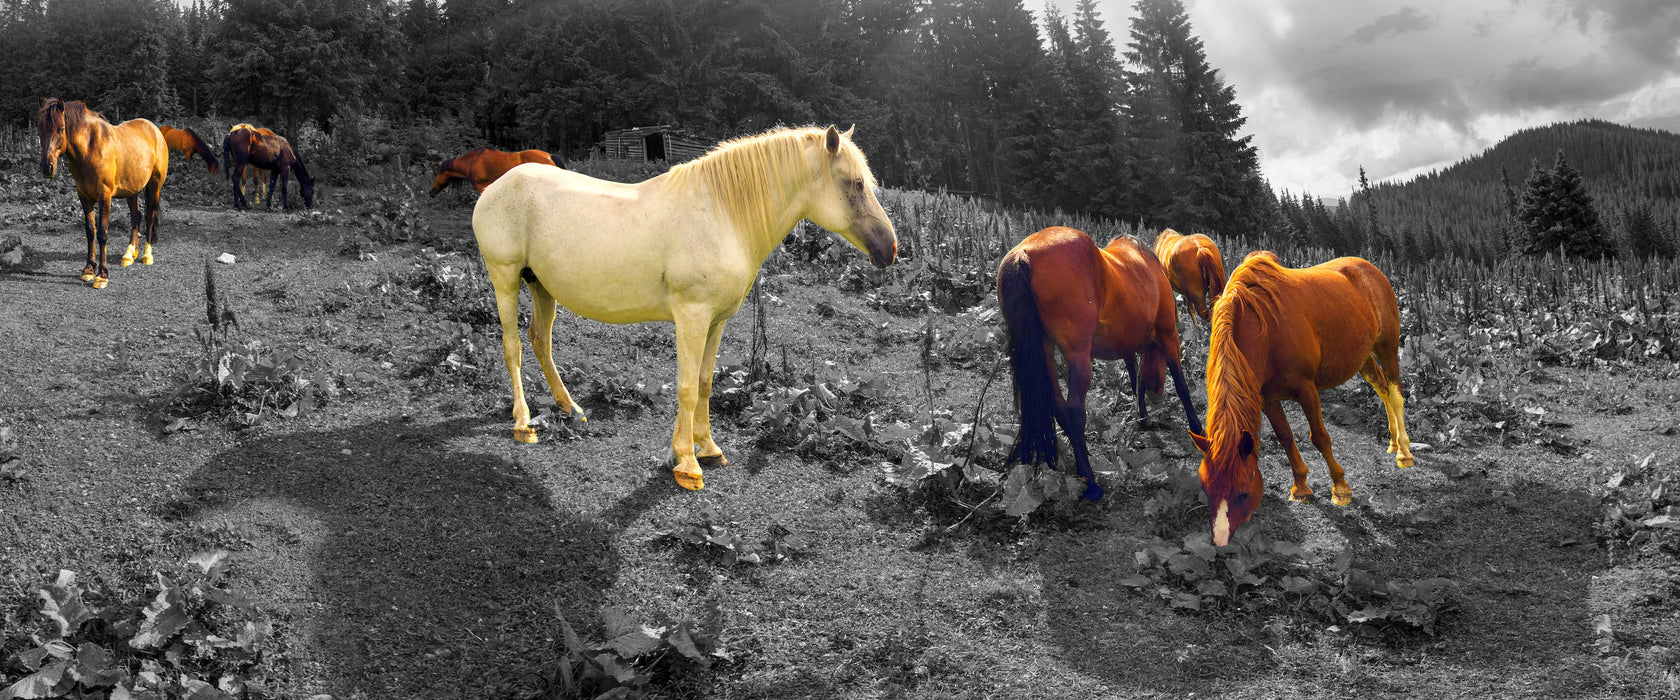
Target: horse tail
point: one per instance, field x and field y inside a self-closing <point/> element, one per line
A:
<point x="1213" y="273"/>
<point x="204" y="150"/>
<point x="1029" y="368"/>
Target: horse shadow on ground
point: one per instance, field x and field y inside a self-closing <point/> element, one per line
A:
<point x="1522" y="612"/>
<point x="404" y="565"/>
<point x="48" y="267"/>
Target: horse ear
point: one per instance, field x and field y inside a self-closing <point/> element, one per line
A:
<point x="831" y="140"/>
<point x="1202" y="443"/>
<point x="848" y="132"/>
<point x="1245" y="447"/>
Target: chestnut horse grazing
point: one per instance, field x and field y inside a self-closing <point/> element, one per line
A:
<point x="1194" y="267"/>
<point x="1280" y="333"/>
<point x="249" y="146"/>
<point x="1058" y="289"/>
<point x="683" y="247"/>
<point x="186" y="142"/>
<point x="125" y="161"/>
<point x="481" y="166"/>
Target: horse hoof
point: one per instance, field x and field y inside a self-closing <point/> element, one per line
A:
<point x="525" y="435"/>
<point x="1093" y="492"/>
<point x="693" y="481"/>
<point x="146" y="259"/>
<point x="100" y="282"/>
<point x="1341" y="497"/>
<point x="1404" y="461"/>
<point x="717" y="460"/>
<point x="87" y="276"/>
<point x="126" y="261"/>
<point x="1301" y="495"/>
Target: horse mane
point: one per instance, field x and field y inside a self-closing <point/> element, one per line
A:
<point x="738" y="172"/>
<point x="1164" y="242"/>
<point x="75" y="112"/>
<point x="1233" y="390"/>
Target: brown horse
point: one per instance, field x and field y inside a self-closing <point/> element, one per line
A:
<point x="481" y="166"/>
<point x="186" y="142"/>
<point x="1280" y="333"/>
<point x="258" y="183"/>
<point x="1194" y="267"/>
<point x="124" y="161"/>
<point x="1059" y="289"/>
<point x="249" y="146"/>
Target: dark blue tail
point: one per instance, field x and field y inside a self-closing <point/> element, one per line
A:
<point x="1034" y="385"/>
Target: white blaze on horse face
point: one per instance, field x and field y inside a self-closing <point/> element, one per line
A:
<point x="1222" y="524"/>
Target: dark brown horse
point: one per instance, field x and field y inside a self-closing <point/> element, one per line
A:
<point x="481" y="166"/>
<point x="186" y="142"/>
<point x="255" y="174"/>
<point x="124" y="161"/>
<point x="248" y="146"/>
<point x="1059" y="290"/>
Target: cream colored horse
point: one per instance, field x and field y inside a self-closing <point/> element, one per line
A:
<point x="683" y="247"/>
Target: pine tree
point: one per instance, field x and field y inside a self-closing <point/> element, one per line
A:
<point x="1644" y="238"/>
<point x="1182" y="122"/>
<point x="1557" y="212"/>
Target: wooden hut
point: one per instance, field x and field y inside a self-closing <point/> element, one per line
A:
<point x="651" y="143"/>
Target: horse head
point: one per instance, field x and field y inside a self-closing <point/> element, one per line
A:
<point x="49" y="118"/>
<point x="1231" y="478"/>
<point x="844" y="201"/>
<point x="441" y="176"/>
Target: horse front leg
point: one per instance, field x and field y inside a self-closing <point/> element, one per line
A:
<point x="133" y="250"/>
<point x="693" y="326"/>
<point x="506" y="283"/>
<point x="709" y="454"/>
<point x="102" y="275"/>
<point x="1300" y="491"/>
<point x="1195" y="421"/>
<point x="285" y="200"/>
<point x="89" y="214"/>
<point x="1340" y="493"/>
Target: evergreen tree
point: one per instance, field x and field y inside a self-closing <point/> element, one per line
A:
<point x="1644" y="238"/>
<point x="1183" y="121"/>
<point x="1558" y="213"/>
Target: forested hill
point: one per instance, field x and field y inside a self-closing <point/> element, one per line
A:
<point x="1466" y="206"/>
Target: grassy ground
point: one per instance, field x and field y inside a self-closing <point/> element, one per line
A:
<point x="404" y="546"/>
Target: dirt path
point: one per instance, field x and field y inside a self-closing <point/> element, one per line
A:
<point x="406" y="547"/>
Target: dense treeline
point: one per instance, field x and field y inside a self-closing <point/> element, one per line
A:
<point x="1614" y="190"/>
<point x="968" y="95"/>
<point x="975" y="96"/>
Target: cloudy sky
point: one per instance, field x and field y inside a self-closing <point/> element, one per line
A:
<point x="1404" y="87"/>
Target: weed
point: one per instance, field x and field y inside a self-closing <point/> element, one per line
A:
<point x="631" y="657"/>
<point x="707" y="528"/>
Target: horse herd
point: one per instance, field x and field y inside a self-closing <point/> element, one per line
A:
<point x="686" y="246"/>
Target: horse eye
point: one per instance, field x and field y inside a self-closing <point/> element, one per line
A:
<point x="1242" y="497"/>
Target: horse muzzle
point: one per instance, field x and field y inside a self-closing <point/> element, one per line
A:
<point x="49" y="169"/>
<point x="881" y="244"/>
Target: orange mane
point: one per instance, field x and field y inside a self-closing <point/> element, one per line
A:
<point x="1233" y="391"/>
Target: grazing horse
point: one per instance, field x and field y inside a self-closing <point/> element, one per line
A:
<point x="248" y="146"/>
<point x="684" y="247"/>
<point x="1280" y="333"/>
<point x="125" y="161"/>
<point x="1194" y="267"/>
<point x="258" y="183"/>
<point x="186" y="142"/>
<point x="481" y="166"/>
<point x="1058" y="289"/>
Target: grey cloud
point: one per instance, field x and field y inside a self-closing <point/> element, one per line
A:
<point x="1647" y="29"/>
<point x="1408" y="19"/>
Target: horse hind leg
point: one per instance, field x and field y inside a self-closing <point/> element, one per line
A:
<point x="506" y="283"/>
<point x="154" y="215"/>
<point x="1387" y="386"/>
<point x="1071" y="415"/>
<point x="90" y="224"/>
<point x="709" y="454"/>
<point x="133" y="250"/>
<point x="543" y="311"/>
